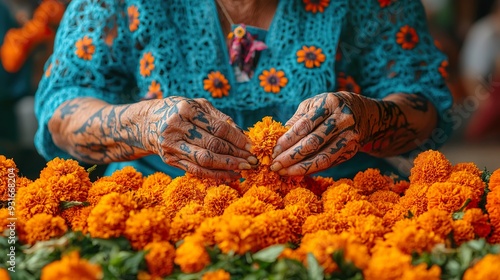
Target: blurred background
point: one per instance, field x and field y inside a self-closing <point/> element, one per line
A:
<point x="467" y="31"/>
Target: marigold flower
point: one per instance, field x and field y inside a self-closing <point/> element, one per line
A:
<point x="191" y="256"/>
<point x="217" y="84"/>
<point x="248" y="205"/>
<point x="415" y="199"/>
<point x="265" y="195"/>
<point x="367" y="229"/>
<point x="318" y="184"/>
<point x="421" y="271"/>
<point x="407" y="37"/>
<point x="108" y="218"/>
<point x="219" y="274"/>
<point x="463" y="231"/>
<point x="437" y="221"/>
<point x="143" y="275"/>
<point x="304" y="196"/>
<point x="360" y="208"/>
<point x="479" y="221"/>
<point x="150" y="194"/>
<point x="493" y="208"/>
<point x="296" y="216"/>
<point x="35" y="199"/>
<point x="264" y="135"/>
<point x="400" y="187"/>
<point x="180" y="192"/>
<point x="4" y="215"/>
<point x="394" y="215"/>
<point x="370" y="181"/>
<point x="447" y="196"/>
<point x="384" y="200"/>
<point x="271" y="228"/>
<point x="186" y="221"/>
<point x="273" y="80"/>
<point x="333" y="222"/>
<point x="484" y="269"/>
<point x="234" y="234"/>
<point x="474" y="182"/>
<point x="160" y="258"/>
<point x="410" y="238"/>
<point x="128" y="177"/>
<point x="7" y="168"/>
<point x="494" y="183"/>
<point x="157" y="178"/>
<point x="430" y="167"/>
<point x="335" y="198"/>
<point x="387" y="263"/>
<point x="262" y="176"/>
<point x="146" y="226"/>
<point x="71" y="266"/>
<point x="78" y="218"/>
<point x="467" y="166"/>
<point x="43" y="227"/>
<point x="207" y="230"/>
<point x="101" y="188"/>
<point x="4" y="274"/>
<point x="494" y="238"/>
<point x="218" y="198"/>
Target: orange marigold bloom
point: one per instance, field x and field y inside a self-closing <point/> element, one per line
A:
<point x="315" y="6"/>
<point x="303" y="196"/>
<point x="333" y="222"/>
<point x="347" y="83"/>
<point x="479" y="221"/>
<point x="310" y="56"/>
<point x="217" y="84"/>
<point x="336" y="197"/>
<point x="296" y="216"/>
<point x="262" y="176"/>
<point x="43" y="227"/>
<point x="191" y="256"/>
<point x="273" y="80"/>
<point x="370" y="181"/>
<point x="396" y="214"/>
<point x="443" y="69"/>
<point x="494" y="183"/>
<point x="218" y="198"/>
<point x="147" y="64"/>
<point x="463" y="231"/>
<point x="128" y="177"/>
<point x="271" y="228"/>
<point x="494" y="238"/>
<point x="384" y="200"/>
<point x="474" y="182"/>
<point x="430" y="167"/>
<point x="407" y="37"/>
<point x="207" y="230"/>
<point x="4" y="215"/>
<point x="409" y="237"/>
<point x="263" y="136"/>
<point x="400" y="187"/>
<point x="360" y="208"/>
<point x="447" y="196"/>
<point x="484" y="269"/>
<point x="219" y="274"/>
<point x="467" y="166"/>
<point x="108" y="218"/>
<point x="387" y="263"/>
<point x="318" y="184"/>
<point x="150" y="194"/>
<point x="415" y="199"/>
<point x="78" y="221"/>
<point x="234" y="234"/>
<point x="248" y="205"/>
<point x="133" y="18"/>
<point x="155" y="179"/>
<point x="180" y="192"/>
<point x="101" y="188"/>
<point x="143" y="275"/>
<point x="67" y="179"/>
<point x="4" y="274"/>
<point x="437" y="221"/>
<point x="493" y="208"/>
<point x="146" y="226"/>
<point x="8" y="174"/>
<point x="71" y="266"/>
<point x="265" y="195"/>
<point x="421" y="271"/>
<point x="160" y="258"/>
<point x="85" y="49"/>
<point x="367" y="229"/>
<point x="35" y="199"/>
<point x="186" y="221"/>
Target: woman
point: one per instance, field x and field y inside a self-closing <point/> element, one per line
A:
<point x="149" y="82"/>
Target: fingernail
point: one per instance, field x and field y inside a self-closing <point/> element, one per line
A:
<point x="277" y="151"/>
<point x="283" y="172"/>
<point x="276" y="166"/>
<point x="252" y="160"/>
<point x="248" y="147"/>
<point x="244" y="166"/>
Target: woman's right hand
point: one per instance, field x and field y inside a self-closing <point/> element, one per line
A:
<point x="194" y="136"/>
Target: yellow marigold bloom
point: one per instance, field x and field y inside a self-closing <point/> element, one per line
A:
<point x="479" y="221"/>
<point x="370" y="181"/>
<point x="400" y="187"/>
<point x="367" y="229"/>
<point x="474" y="182"/>
<point x="470" y="167"/>
<point x="387" y="263"/>
<point x="101" y="188"/>
<point x="155" y="179"/>
<point x="146" y="226"/>
<point x="421" y="271"/>
<point x="360" y="208"/>
<point x="108" y="218"/>
<point x="265" y="195"/>
<point x="333" y="222"/>
<point x="494" y="183"/>
<point x="306" y="197"/>
<point x="186" y="221"/>
<point x="219" y="274"/>
<point x="319" y="184"/>
<point x="4" y="274"/>
<point x="408" y="237"/>
<point x="207" y="230"/>
<point x="4" y="215"/>
<point x="218" y="198"/>
<point x="128" y="177"/>
<point x="67" y="180"/>
<point x="485" y="269"/>
<point x="160" y="258"/>
<point x="70" y="267"/>
<point x="264" y="135"/>
<point x="180" y="192"/>
<point x="463" y="231"/>
<point x="6" y="165"/>
<point x="296" y="217"/>
<point x="384" y="200"/>
<point x="447" y="196"/>
<point x="437" y="221"/>
<point x="336" y="197"/>
<point x="271" y="228"/>
<point x="430" y="167"/>
<point x="248" y="205"/>
<point x="234" y="234"/>
<point x="191" y="256"/>
<point x="43" y="227"/>
<point x="35" y="199"/>
<point x="415" y="199"/>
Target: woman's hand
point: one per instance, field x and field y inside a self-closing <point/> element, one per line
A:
<point x="192" y="135"/>
<point x="324" y="131"/>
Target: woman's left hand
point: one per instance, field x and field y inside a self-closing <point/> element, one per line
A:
<point x="324" y="131"/>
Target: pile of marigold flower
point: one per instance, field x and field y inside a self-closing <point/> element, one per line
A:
<point x="377" y="225"/>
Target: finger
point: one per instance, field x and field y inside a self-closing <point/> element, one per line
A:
<point x="223" y="175"/>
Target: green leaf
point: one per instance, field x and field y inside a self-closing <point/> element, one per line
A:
<point x="409" y="215"/>
<point x="314" y="270"/>
<point x="134" y="263"/>
<point x="91" y="169"/>
<point x="269" y="254"/>
<point x="69" y="204"/>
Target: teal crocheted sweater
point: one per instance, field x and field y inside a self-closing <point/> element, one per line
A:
<point x="124" y="51"/>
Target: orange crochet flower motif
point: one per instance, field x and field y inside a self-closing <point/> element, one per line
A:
<point x="443" y="69"/>
<point x="272" y="80"/>
<point x="84" y="48"/>
<point x="315" y="6"/>
<point x="133" y="18"/>
<point x="310" y="56"/>
<point x="147" y="64"/>
<point x="347" y="83"/>
<point x="154" y="91"/>
<point x="216" y="84"/>
<point x="384" y="3"/>
<point x="407" y="37"/>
